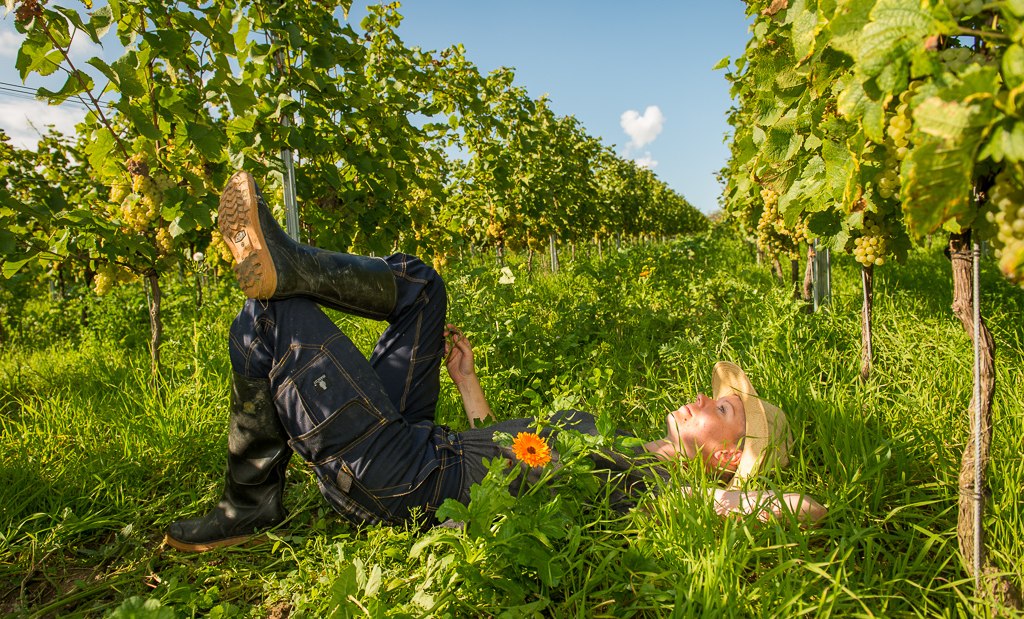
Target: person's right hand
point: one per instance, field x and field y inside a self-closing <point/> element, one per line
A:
<point x="458" y="356"/>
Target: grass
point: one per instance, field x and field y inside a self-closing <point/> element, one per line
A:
<point x="96" y="463"/>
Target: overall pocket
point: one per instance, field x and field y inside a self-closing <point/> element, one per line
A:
<point x="342" y="431"/>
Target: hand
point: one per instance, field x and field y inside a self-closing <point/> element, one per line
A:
<point x="458" y="356"/>
<point x="768" y="505"/>
<point x="736" y="502"/>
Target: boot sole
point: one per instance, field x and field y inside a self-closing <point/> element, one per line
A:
<point x="239" y="223"/>
<point x="247" y="540"/>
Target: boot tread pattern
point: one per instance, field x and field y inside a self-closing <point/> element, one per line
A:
<point x="238" y="219"/>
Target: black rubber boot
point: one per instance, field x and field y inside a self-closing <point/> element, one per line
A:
<point x="258" y="455"/>
<point x="270" y="265"/>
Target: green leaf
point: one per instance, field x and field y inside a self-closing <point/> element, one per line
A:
<point x="241" y="38"/>
<point x="100" y="22"/>
<point x="780" y="145"/>
<point x="824" y="224"/>
<point x="13" y="266"/>
<point x="1013" y="66"/>
<point x="1007" y="142"/>
<point x="943" y="119"/>
<point x="805" y="28"/>
<point x="241" y="96"/>
<point x="167" y="42"/>
<point x="207" y="140"/>
<point x="854" y="103"/>
<point x="32" y="55"/>
<point x="721" y="64"/>
<point x="104" y="68"/>
<point x="129" y="81"/>
<point x="72" y="16"/>
<point x="99" y="152"/>
<point x="138" y="607"/>
<point x="847" y="24"/>
<point x="897" y="31"/>
<point x="7" y="242"/>
<point x="240" y="125"/>
<point x="50" y="63"/>
<point x="937" y="178"/>
<point x="805" y="193"/>
<point x="77" y="83"/>
<point x="141" y="121"/>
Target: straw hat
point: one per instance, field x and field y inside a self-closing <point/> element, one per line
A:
<point x="767" y="439"/>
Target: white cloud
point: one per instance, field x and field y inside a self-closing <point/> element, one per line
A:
<point x="24" y="121"/>
<point x="642" y="129"/>
<point x="646" y="161"/>
<point x="82" y="47"/>
<point x="9" y="43"/>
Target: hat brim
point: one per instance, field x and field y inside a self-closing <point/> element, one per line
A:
<point x="767" y="431"/>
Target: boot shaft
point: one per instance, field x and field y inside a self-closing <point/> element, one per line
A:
<point x="271" y="265"/>
<point x="257" y="442"/>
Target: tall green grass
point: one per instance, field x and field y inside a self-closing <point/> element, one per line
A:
<point x="96" y="463"/>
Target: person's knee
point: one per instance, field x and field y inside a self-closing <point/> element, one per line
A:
<point x="244" y="324"/>
<point x="434" y="287"/>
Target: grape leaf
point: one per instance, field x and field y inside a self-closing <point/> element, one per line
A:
<point x="98" y="152"/>
<point x="938" y="172"/>
<point x="77" y="83"/>
<point x="839" y="167"/>
<point x="11" y="267"/>
<point x="943" y="119"/>
<point x="848" y="23"/>
<point x="897" y="30"/>
<point x="854" y="103"/>
<point x="780" y="145"/>
<point x="1013" y="66"/>
<point x="33" y="54"/>
<point x="804" y="29"/>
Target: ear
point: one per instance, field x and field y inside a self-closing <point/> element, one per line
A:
<point x="727" y="458"/>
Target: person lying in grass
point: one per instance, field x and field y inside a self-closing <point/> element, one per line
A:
<point x="366" y="426"/>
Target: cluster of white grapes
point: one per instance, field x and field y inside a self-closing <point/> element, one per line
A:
<point x="109" y="274"/>
<point x="888" y="182"/>
<point x="139" y="204"/>
<point x="772" y="235"/>
<point x="899" y="125"/>
<point x="956" y="59"/>
<point x="1008" y="198"/>
<point x="164" y="241"/>
<point x="218" y="249"/>
<point x="870" y="247"/>
<point x="965" y="8"/>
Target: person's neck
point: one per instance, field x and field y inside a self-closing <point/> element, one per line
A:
<point x="662" y="448"/>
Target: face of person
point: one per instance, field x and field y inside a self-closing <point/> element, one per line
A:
<point x="705" y="426"/>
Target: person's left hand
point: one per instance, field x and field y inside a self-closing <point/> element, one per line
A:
<point x="458" y="356"/>
<point x="728" y="502"/>
<point x="768" y="505"/>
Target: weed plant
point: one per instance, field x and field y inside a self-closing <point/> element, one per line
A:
<point x="96" y="462"/>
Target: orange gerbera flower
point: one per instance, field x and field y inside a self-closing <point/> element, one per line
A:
<point x="531" y="449"/>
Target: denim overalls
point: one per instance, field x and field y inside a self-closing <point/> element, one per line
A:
<point x="365" y="427"/>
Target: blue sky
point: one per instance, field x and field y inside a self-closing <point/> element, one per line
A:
<point x="596" y="60"/>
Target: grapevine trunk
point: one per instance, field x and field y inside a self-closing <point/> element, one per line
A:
<point x="867" y="274"/>
<point x="994" y="588"/>
<point x="155" y="322"/>
<point x="808" y="291"/>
